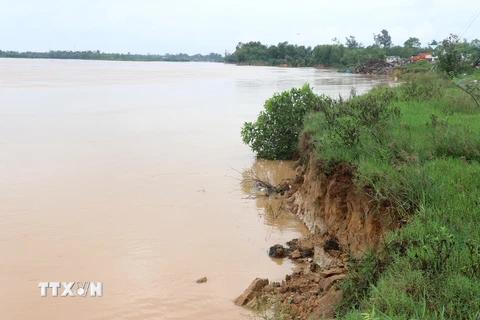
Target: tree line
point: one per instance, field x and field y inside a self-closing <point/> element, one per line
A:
<point x="97" y="55"/>
<point x="338" y="54"/>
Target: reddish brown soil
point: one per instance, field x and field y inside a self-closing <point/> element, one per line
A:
<point x="342" y="222"/>
<point x="329" y="202"/>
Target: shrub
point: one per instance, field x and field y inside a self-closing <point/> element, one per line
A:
<point x="274" y="136"/>
<point x="451" y="58"/>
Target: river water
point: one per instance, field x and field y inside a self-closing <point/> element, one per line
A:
<point x="126" y="173"/>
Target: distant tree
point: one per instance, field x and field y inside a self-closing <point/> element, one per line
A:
<point x="450" y="57"/>
<point x="413" y="42"/>
<point x="351" y="42"/>
<point x="373" y="52"/>
<point x="273" y="53"/>
<point x="396" y="51"/>
<point x="407" y="52"/>
<point x="282" y="49"/>
<point x="383" y="39"/>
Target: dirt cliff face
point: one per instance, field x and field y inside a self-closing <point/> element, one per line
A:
<point x="330" y="203"/>
<point x="342" y="220"/>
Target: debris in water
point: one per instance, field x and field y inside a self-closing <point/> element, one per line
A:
<point x="202" y="280"/>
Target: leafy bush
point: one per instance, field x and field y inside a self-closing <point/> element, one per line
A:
<point x="274" y="136"/>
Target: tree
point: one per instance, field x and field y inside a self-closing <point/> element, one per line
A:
<point x="383" y="39"/>
<point x="272" y="52"/>
<point x="450" y="57"/>
<point x="413" y="42"/>
<point x="396" y="51"/>
<point x="351" y="42"/>
<point x="275" y="133"/>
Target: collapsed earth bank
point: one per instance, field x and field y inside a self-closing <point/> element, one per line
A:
<point x="343" y="222"/>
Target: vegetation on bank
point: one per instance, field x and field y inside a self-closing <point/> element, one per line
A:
<point x="339" y="55"/>
<point x="97" y="55"/>
<point x="274" y="136"/>
<point x="418" y="146"/>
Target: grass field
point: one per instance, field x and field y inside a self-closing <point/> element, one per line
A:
<point x="417" y="145"/>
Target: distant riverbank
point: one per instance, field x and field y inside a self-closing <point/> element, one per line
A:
<point x="97" y="55"/>
<point x="281" y="65"/>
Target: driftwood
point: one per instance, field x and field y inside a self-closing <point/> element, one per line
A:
<point x="267" y="188"/>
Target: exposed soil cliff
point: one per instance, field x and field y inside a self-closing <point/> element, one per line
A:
<point x="328" y="202"/>
<point x="342" y="221"/>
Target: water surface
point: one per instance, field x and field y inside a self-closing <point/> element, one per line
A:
<point x="126" y="173"/>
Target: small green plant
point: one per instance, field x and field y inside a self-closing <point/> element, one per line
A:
<point x="435" y="252"/>
<point x="474" y="256"/>
<point x="370" y="315"/>
<point x="362" y="274"/>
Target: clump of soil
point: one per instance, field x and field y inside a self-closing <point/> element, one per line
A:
<point x="202" y="280"/>
<point x="311" y="290"/>
<point x="295" y="249"/>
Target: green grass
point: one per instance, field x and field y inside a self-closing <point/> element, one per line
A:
<point x="417" y="145"/>
<point x="474" y="74"/>
<point x="418" y="67"/>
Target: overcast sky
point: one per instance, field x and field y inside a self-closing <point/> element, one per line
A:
<point x="203" y="26"/>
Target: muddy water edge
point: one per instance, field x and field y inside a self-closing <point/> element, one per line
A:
<point x="128" y="173"/>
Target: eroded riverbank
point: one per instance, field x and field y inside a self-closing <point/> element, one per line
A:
<point x="342" y="224"/>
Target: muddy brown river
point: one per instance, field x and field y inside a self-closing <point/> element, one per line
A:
<point x="126" y="173"/>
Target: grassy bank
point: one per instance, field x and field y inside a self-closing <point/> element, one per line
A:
<point x="418" y="146"/>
